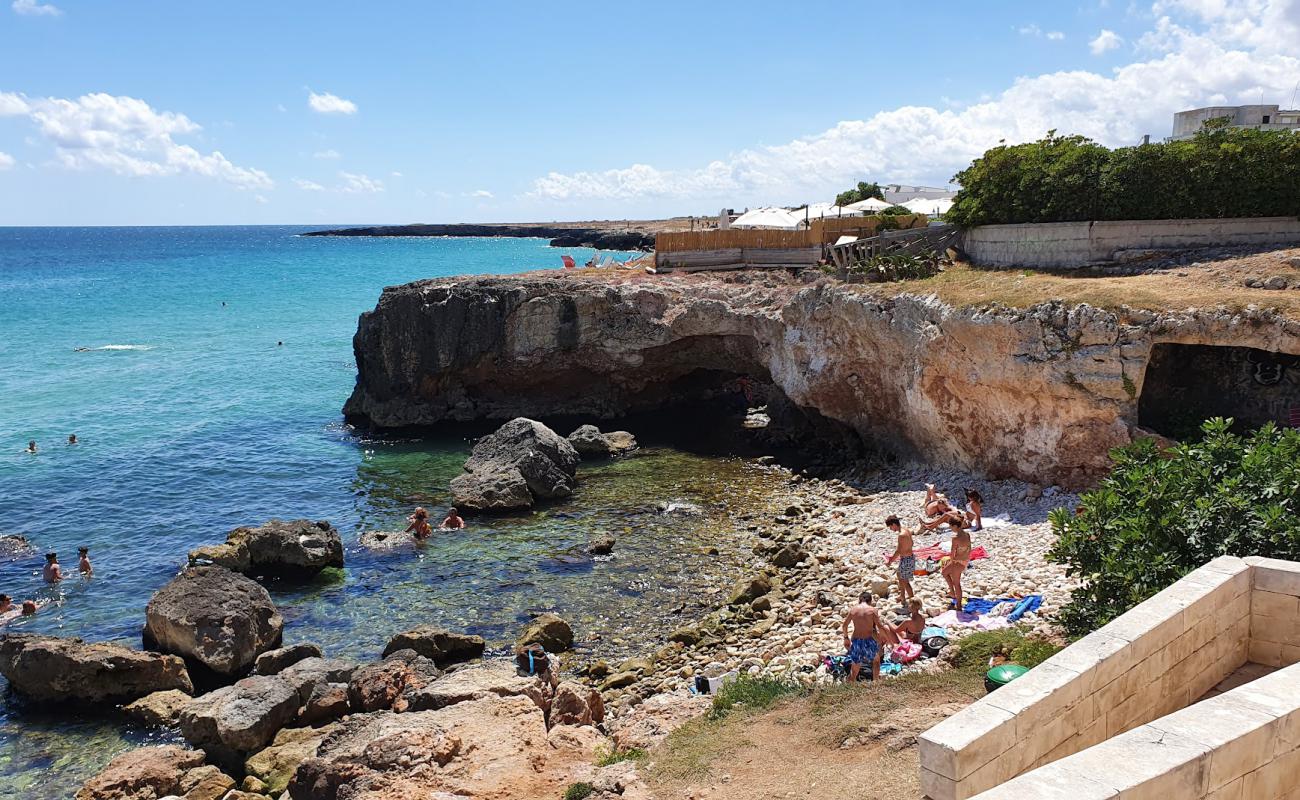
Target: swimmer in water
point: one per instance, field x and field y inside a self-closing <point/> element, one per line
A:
<point x="29" y="608"/>
<point x="81" y="349"/>
<point x="31" y="447"/>
<point x="83" y="563"/>
<point x="6" y="604"/>
<point x="453" y="522"/>
<point x="72" y="438"/>
<point x="53" y="573"/>
<point x="419" y="526"/>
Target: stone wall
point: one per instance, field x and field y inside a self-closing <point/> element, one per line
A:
<point x="1069" y="245"/>
<point x="1120" y="705"/>
<point x="1155" y="659"/>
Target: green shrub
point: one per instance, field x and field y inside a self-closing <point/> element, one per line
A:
<point x="752" y="692"/>
<point x="1159" y="515"/>
<point x="612" y="755"/>
<point x="1221" y="172"/>
<point x="975" y="650"/>
<point x="857" y="195"/>
<point x="579" y="791"/>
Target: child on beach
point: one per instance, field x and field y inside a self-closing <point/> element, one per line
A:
<point x="906" y="561"/>
<point x="453" y="522"/>
<point x="83" y="563"/>
<point x="974" y="510"/>
<point x="419" y="526"/>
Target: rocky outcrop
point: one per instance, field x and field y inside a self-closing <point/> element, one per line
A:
<point x="521" y="462"/>
<point x="550" y="631"/>
<point x="215" y="617"/>
<point x="496" y="678"/>
<point x="1040" y="393"/>
<point x="311" y="673"/>
<point x="159" y="709"/>
<point x="494" y="747"/>
<point x="241" y="718"/>
<point x="602" y="238"/>
<point x="391" y="682"/>
<point x="299" y="547"/>
<point x="574" y="704"/>
<point x="273" y="661"/>
<point x="440" y="645"/>
<point x="589" y="441"/>
<point x="275" y="764"/>
<point x="649" y="723"/>
<point x="146" y="773"/>
<point x="58" y="669"/>
<point x="13" y="546"/>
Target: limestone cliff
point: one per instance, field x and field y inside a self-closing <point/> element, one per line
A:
<point x="1040" y="393"/>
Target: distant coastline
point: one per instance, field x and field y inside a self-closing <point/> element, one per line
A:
<point x="602" y="234"/>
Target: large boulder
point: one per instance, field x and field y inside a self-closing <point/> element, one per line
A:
<point x="494" y="678"/>
<point x="574" y="704"/>
<point x="439" y="644"/>
<point x="389" y="683"/>
<point x="521" y="462"/>
<point x="215" y="617"/>
<point x="159" y="709"/>
<point x="327" y="701"/>
<point x="295" y="548"/>
<point x="145" y="773"/>
<point x="275" y="764"/>
<point x="241" y="718"/>
<point x="310" y="673"/>
<point x="494" y="747"/>
<point x="550" y="631"/>
<point x="589" y="441"/>
<point x="57" y="669"/>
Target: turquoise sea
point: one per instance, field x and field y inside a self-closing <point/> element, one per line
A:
<point x="207" y="396"/>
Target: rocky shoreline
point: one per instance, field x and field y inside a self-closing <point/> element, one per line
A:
<point x="603" y="237"/>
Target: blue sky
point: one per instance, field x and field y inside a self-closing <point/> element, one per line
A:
<point x="202" y="113"/>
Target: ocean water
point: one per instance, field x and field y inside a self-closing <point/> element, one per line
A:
<point x="203" y="371"/>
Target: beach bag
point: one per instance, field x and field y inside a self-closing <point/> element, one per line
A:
<point x="533" y="660"/>
<point x="933" y="645"/>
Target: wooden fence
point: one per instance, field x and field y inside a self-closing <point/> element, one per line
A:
<point x="821" y="232"/>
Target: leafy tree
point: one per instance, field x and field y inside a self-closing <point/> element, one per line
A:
<point x="1161" y="514"/>
<point x="862" y="192"/>
<point x="1221" y="172"/>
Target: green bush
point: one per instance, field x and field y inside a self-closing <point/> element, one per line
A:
<point x="862" y="192"/>
<point x="1221" y="172"/>
<point x="579" y="791"/>
<point x="612" y="755"/>
<point x="1159" y="515"/>
<point x="752" y="692"/>
<point x="975" y="650"/>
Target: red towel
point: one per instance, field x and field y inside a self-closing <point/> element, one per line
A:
<point x="936" y="552"/>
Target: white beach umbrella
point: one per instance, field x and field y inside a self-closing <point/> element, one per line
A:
<point x="928" y="205"/>
<point x="777" y="218"/>
<point x="868" y="205"/>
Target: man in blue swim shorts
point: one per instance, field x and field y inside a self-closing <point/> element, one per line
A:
<point x="863" y="645"/>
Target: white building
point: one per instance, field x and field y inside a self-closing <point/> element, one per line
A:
<point x="1263" y="118"/>
<point x="898" y="194"/>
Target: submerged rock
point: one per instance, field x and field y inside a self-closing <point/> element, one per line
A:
<point x="550" y="631"/>
<point x="297" y="547"/>
<point x="58" y="669"/>
<point x="144" y="773"/>
<point x="15" y="546"/>
<point x="589" y="441"/>
<point x="439" y="644"/>
<point x="216" y="617"/>
<point x="521" y="462"/>
<point x="601" y="545"/>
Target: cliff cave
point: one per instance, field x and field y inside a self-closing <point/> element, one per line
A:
<point x="1186" y="384"/>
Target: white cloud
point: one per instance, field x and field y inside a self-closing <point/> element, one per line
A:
<point x="1031" y="29"/>
<point x="482" y="194"/>
<point x="261" y="199"/>
<point x="924" y="144"/>
<point x="35" y="9"/>
<point x="326" y="103"/>
<point x="1106" y="40"/>
<point x="1055" y="36"/>
<point x="6" y="161"/>
<point x="356" y="183"/>
<point x="308" y="186"/>
<point x="395" y="174"/>
<point x="327" y="154"/>
<point x="125" y="135"/>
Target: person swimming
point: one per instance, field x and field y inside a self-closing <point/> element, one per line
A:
<point x="52" y="573"/>
<point x="6" y="603"/>
<point x="453" y="522"/>
<point x="29" y="607"/>
<point x="419" y="526"/>
<point x="31" y="447"/>
<point x="72" y="438"/>
<point x="83" y="563"/>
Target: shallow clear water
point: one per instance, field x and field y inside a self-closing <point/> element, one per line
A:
<point x="192" y="420"/>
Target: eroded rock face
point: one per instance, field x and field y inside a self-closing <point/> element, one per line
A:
<point x="159" y="709"/>
<point x="494" y="747"/>
<point x="275" y="764"/>
<point x="145" y="773"/>
<point x="58" y="669"/>
<point x="216" y="617"/>
<point x="295" y="548"/>
<point x="1040" y="393"/>
<point x="649" y="723"/>
<point x="521" y="462"/>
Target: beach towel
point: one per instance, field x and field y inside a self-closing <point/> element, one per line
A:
<point x="1000" y="521"/>
<point x="936" y="552"/>
<point x="980" y="605"/>
<point x="980" y="622"/>
<point x="933" y="630"/>
<point x="1026" y="606"/>
<point x="1022" y="605"/>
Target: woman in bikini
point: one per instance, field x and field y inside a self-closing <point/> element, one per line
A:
<point x="419" y="526"/>
<point x="958" y="560"/>
<point x="911" y="629"/>
<point x="974" y="510"/>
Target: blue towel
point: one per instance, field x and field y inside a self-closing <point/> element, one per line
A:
<point x="934" y="630"/>
<point x="1030" y="603"/>
<point x="978" y="605"/>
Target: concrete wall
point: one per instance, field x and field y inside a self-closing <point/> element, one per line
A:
<point x="1069" y="245"/>
<point x="1115" y="715"/>
<point x="1157" y="658"/>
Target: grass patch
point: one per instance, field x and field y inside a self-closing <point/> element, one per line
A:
<point x="752" y="692"/>
<point x="1011" y="643"/>
<point x="579" y="791"/>
<point x="613" y="755"/>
